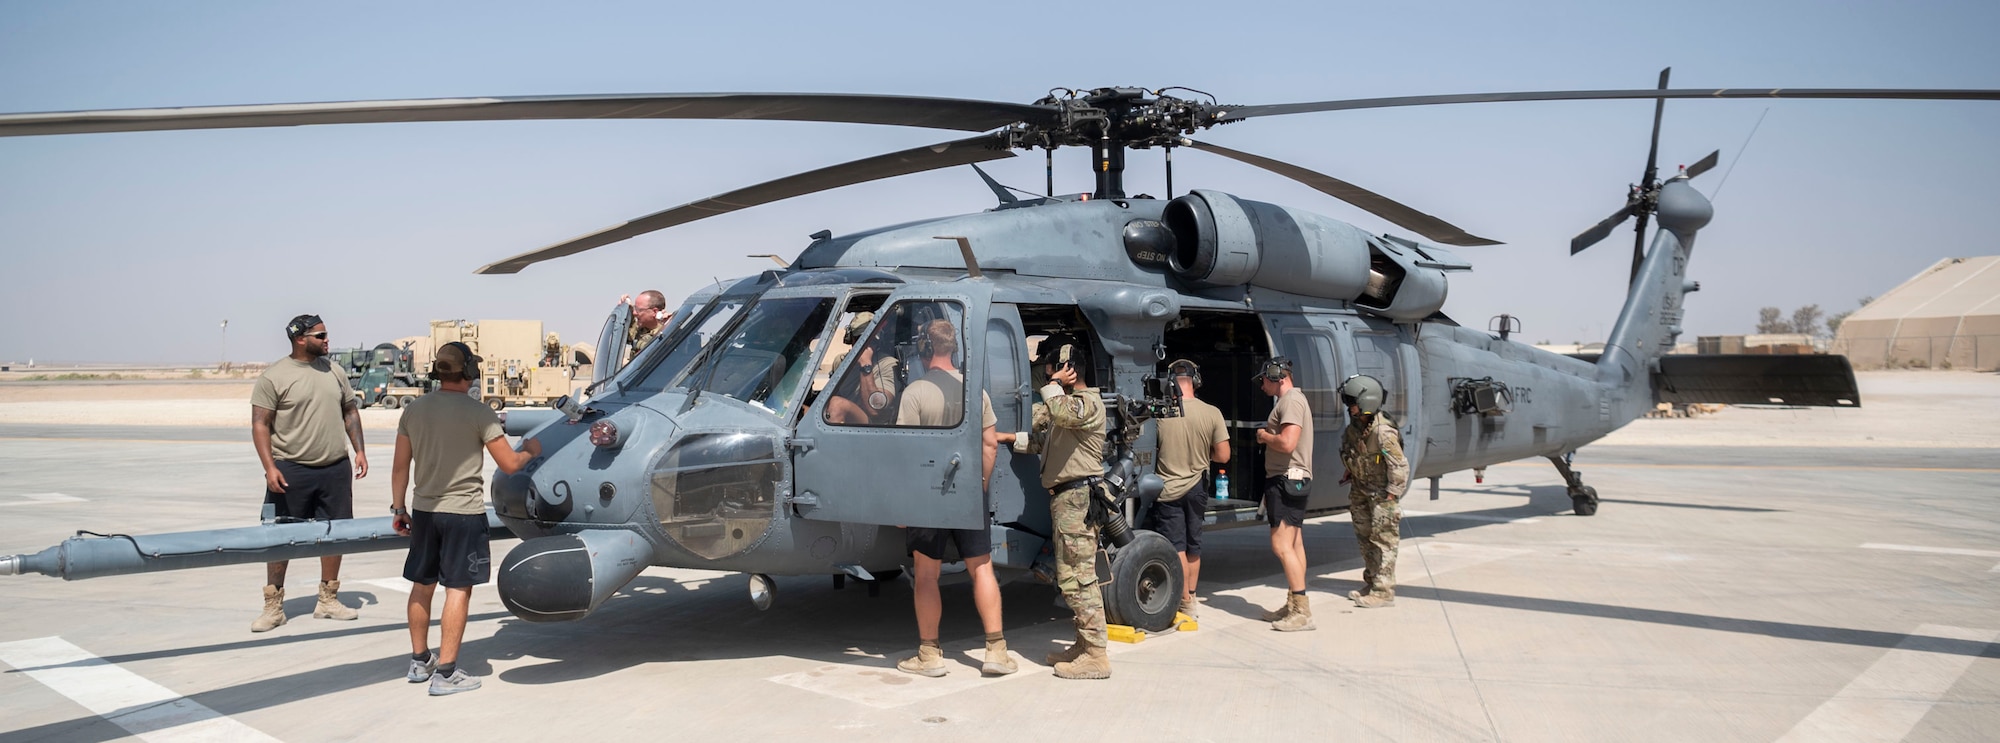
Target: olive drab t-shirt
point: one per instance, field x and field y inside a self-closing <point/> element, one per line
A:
<point x="1185" y="445"/>
<point x="307" y="400"/>
<point x="1291" y="408"/>
<point x="448" y="434"/>
<point x="928" y="401"/>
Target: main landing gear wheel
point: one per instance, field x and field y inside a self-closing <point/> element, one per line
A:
<point x="1145" y="587"/>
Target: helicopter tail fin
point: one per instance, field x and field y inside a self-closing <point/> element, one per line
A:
<point x="1651" y="320"/>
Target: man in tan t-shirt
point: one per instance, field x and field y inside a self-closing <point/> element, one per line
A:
<point x="439" y="442"/>
<point x="303" y="418"/>
<point x="938" y="399"/>
<point x="1188" y="443"/>
<point x="1287" y="439"/>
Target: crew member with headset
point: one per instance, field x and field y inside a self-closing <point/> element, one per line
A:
<point x="1288" y="444"/>
<point x="1372" y="450"/>
<point x="649" y="316"/>
<point x="1069" y="434"/>
<point x="1188" y="443"/>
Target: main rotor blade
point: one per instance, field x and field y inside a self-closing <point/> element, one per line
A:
<point x="1703" y="165"/>
<point x="1237" y="113"/>
<point x="917" y="160"/>
<point x="1600" y="230"/>
<point x="935" y="113"/>
<point x="1369" y="201"/>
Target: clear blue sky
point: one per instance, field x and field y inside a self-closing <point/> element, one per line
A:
<point x="132" y="247"/>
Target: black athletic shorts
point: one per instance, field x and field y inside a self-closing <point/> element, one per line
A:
<point x="1180" y="521"/>
<point x="448" y="548"/>
<point x="931" y="543"/>
<point x="325" y="493"/>
<point x="1281" y="507"/>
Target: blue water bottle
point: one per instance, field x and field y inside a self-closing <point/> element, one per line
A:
<point x="1222" y="484"/>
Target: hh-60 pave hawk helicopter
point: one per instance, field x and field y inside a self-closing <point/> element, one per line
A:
<point x="741" y="439"/>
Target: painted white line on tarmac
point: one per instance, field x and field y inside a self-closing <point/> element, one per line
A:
<point x="1473" y="517"/>
<point x="36" y="499"/>
<point x="1888" y="700"/>
<point x="1931" y="550"/>
<point x="393" y="584"/>
<point x="145" y="709"/>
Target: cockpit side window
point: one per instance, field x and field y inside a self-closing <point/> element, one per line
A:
<point x="907" y="371"/>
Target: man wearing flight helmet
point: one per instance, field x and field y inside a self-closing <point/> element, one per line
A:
<point x="1069" y="434"/>
<point x="1287" y="439"/>
<point x="1372" y="451"/>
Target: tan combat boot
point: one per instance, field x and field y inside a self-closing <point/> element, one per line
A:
<point x="1301" y="618"/>
<point x="274" y="610"/>
<point x="1190" y="606"/>
<point x="929" y="661"/>
<point x="329" y="603"/>
<point x="1376" y="600"/>
<point x="999" y="662"/>
<point x="1093" y="664"/>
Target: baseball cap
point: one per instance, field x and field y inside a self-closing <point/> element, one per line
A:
<point x="456" y="358"/>
<point x="299" y="325"/>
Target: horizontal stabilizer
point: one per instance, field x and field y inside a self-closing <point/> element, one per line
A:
<point x="1813" y="380"/>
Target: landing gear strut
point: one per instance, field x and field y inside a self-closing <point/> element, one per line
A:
<point x="1583" y="497"/>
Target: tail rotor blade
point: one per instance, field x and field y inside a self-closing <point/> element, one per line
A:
<point x="1639" y="244"/>
<point x="1653" y="152"/>
<point x="1705" y="164"/>
<point x="1599" y="231"/>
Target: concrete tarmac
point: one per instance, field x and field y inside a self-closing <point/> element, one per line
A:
<point x="1720" y="594"/>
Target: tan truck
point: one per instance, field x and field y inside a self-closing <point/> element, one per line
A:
<point x="521" y="367"/>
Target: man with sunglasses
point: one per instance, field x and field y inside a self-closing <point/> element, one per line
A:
<point x="303" y="418"/>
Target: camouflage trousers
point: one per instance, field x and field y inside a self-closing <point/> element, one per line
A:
<point x="1076" y="561"/>
<point x="1378" y="529"/>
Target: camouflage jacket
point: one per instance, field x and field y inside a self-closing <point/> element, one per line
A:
<point x="1374" y="458"/>
<point x="1068" y="433"/>
<point x="639" y="338"/>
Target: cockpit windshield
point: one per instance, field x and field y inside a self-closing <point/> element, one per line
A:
<point x="767" y="358"/>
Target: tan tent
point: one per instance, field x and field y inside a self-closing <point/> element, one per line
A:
<point x="1947" y="317"/>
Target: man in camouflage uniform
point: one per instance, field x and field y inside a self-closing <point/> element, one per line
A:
<point x="1069" y="434"/>
<point x="649" y="316"/>
<point x="1372" y="451"/>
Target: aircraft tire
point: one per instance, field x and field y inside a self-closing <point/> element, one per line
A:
<point x="1585" y="502"/>
<point x="1146" y="583"/>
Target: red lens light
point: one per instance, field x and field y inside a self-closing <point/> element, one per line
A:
<point x="604" y="434"/>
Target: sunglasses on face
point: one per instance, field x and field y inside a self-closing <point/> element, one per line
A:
<point x="320" y="335"/>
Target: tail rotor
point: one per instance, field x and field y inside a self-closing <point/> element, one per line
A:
<point x="1644" y="197"/>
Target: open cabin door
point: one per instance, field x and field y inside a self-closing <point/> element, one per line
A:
<point x="894" y="441"/>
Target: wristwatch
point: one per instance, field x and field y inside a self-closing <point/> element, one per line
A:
<point x="399" y="511"/>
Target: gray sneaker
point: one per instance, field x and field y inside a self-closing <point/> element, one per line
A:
<point x="457" y="682"/>
<point x="421" y="670"/>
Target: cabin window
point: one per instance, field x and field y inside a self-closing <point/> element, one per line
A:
<point x="766" y="358"/>
<point x="907" y="371"/>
